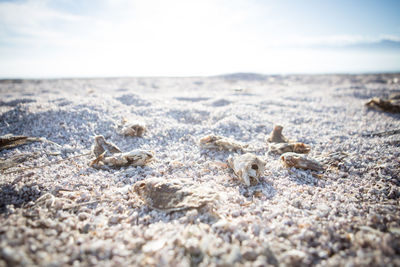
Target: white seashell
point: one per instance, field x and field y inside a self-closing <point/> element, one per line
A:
<point x="247" y="167"/>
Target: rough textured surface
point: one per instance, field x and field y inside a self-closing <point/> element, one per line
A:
<point x="64" y="212"/>
<point x="173" y="194"/>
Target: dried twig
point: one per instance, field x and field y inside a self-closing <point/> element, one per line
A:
<point x="87" y="203"/>
<point x="49" y="164"/>
<point x="385" y="133"/>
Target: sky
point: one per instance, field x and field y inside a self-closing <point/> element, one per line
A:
<point x="118" y="38"/>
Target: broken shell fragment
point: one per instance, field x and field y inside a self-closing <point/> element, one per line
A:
<point x="280" y="148"/>
<point x="391" y="105"/>
<point x="276" y="135"/>
<point x="134" y="158"/>
<point x="133" y="129"/>
<point x="248" y="167"/>
<point x="301" y="161"/>
<point x="173" y="194"/>
<point x="220" y="143"/>
<point x="109" y="154"/>
<point x="101" y="146"/>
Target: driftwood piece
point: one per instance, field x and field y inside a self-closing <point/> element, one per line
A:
<point x="384" y="133"/>
<point x="10" y="141"/>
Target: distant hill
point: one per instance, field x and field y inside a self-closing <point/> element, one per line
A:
<point x="248" y="76"/>
<point x="382" y="45"/>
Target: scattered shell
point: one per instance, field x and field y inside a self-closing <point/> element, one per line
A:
<point x="247" y="167"/>
<point x="134" y="158"/>
<point x="109" y="154"/>
<point x="172" y="194"/>
<point x="301" y="161"/>
<point x="280" y="148"/>
<point x="102" y="146"/>
<point x="390" y="105"/>
<point x="133" y="129"/>
<point x="276" y="135"/>
<point x="220" y="143"/>
<point x="10" y="141"/>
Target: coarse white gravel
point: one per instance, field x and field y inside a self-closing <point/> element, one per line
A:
<point x="63" y="212"/>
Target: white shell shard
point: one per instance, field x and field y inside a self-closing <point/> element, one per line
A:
<point x="220" y="143"/>
<point x="173" y="194"/>
<point x="109" y="154"/>
<point x="133" y="129"/>
<point x="134" y="158"/>
<point x="280" y="148"/>
<point x="248" y="167"/>
<point x="101" y="146"/>
<point x="301" y="161"/>
<point x="276" y="135"/>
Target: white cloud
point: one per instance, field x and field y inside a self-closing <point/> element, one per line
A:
<point x="150" y="37"/>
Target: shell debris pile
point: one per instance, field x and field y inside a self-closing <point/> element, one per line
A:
<point x="226" y="201"/>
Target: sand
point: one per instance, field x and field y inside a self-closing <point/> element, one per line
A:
<point x="57" y="210"/>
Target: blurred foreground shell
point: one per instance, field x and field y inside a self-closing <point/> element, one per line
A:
<point x="301" y="161"/>
<point x="247" y="167"/>
<point x="10" y="141"/>
<point x="276" y="135"/>
<point x="390" y="105"/>
<point x="133" y="129"/>
<point x="173" y="194"/>
<point x="280" y="148"/>
<point x="220" y="143"/>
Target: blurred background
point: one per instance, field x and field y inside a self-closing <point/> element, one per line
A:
<point x="115" y="38"/>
